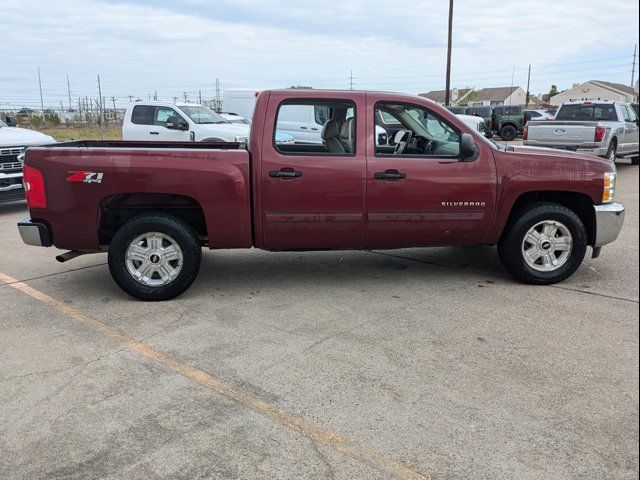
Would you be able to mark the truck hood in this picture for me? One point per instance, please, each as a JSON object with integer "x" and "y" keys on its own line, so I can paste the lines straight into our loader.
{"x": 22, "y": 137}
{"x": 232, "y": 129}
{"x": 542, "y": 153}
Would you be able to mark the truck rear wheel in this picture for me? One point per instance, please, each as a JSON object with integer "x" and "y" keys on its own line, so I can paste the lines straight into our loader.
{"x": 154, "y": 257}
{"x": 508, "y": 132}
{"x": 545, "y": 244}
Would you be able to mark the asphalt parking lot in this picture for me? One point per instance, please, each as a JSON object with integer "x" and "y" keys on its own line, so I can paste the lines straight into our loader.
{"x": 407, "y": 363}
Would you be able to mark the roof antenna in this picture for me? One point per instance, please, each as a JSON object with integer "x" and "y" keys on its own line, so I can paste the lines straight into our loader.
{"x": 513, "y": 74}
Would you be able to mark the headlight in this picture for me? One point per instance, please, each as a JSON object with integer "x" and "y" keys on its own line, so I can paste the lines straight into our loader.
{"x": 609, "y": 189}
{"x": 242, "y": 139}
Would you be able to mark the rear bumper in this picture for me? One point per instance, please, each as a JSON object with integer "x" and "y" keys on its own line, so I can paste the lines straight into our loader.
{"x": 593, "y": 149}
{"x": 34, "y": 233}
{"x": 609, "y": 221}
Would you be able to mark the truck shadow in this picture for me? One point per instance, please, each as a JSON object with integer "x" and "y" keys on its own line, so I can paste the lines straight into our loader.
{"x": 256, "y": 269}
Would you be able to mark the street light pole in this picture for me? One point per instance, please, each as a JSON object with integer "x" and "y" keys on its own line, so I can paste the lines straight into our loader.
{"x": 447, "y": 95}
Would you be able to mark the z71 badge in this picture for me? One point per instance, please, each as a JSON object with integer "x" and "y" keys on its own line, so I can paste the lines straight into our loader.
{"x": 85, "y": 177}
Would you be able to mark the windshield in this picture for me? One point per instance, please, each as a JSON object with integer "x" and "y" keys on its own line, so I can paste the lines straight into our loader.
{"x": 602, "y": 112}
{"x": 202, "y": 115}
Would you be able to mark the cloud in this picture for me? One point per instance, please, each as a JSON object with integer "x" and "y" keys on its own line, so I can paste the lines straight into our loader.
{"x": 142, "y": 47}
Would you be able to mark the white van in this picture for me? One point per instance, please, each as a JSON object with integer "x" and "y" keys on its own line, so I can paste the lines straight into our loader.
{"x": 179, "y": 122}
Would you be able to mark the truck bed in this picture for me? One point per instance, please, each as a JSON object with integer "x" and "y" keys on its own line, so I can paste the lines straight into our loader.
{"x": 102, "y": 179}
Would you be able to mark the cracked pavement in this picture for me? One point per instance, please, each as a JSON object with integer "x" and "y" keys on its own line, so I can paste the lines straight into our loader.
{"x": 434, "y": 358}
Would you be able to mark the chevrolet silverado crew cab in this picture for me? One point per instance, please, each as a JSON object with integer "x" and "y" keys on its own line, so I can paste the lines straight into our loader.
{"x": 153, "y": 206}
{"x": 179, "y": 122}
{"x": 604, "y": 128}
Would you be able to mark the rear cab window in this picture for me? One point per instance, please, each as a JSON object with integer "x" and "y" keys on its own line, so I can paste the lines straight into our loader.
{"x": 587, "y": 112}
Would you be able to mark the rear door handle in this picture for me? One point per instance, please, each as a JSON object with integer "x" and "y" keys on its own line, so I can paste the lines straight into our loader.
{"x": 154, "y": 133}
{"x": 285, "y": 173}
{"x": 389, "y": 175}
{"x": 303, "y": 128}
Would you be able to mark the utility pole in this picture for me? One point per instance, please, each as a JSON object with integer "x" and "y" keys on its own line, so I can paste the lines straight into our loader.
{"x": 185, "y": 96}
{"x": 113, "y": 99}
{"x": 130, "y": 98}
{"x": 351, "y": 80}
{"x": 447, "y": 92}
{"x": 155, "y": 95}
{"x": 69, "y": 91}
{"x": 633, "y": 70}
{"x": 528, "y": 83}
{"x": 175, "y": 99}
{"x": 218, "y": 106}
{"x": 101, "y": 110}
{"x": 41, "y": 100}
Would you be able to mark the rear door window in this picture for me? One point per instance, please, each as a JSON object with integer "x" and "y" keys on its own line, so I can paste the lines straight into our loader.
{"x": 142, "y": 115}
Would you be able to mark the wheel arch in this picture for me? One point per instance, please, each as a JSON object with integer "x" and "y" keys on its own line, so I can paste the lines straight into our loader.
{"x": 579, "y": 203}
{"x": 117, "y": 209}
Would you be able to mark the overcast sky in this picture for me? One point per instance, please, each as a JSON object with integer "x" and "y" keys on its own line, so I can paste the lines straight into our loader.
{"x": 138, "y": 47}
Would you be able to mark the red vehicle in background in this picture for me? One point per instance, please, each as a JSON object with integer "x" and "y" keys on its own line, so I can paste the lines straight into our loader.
{"x": 153, "y": 206}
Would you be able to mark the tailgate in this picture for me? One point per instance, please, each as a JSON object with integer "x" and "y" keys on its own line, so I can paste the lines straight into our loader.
{"x": 562, "y": 133}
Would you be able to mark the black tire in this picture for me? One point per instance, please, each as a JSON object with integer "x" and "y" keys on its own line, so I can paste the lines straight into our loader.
{"x": 508, "y": 132}
{"x": 176, "y": 230}
{"x": 635, "y": 160}
{"x": 510, "y": 246}
{"x": 612, "y": 151}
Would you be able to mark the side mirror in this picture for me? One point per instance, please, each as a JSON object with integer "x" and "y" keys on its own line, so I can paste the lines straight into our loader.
{"x": 382, "y": 139}
{"x": 468, "y": 148}
{"x": 11, "y": 121}
{"x": 176, "y": 123}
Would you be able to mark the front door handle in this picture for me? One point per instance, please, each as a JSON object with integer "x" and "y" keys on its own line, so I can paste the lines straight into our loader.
{"x": 285, "y": 173}
{"x": 154, "y": 133}
{"x": 389, "y": 175}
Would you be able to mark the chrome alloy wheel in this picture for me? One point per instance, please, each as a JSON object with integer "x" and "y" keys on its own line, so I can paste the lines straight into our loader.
{"x": 547, "y": 246}
{"x": 154, "y": 259}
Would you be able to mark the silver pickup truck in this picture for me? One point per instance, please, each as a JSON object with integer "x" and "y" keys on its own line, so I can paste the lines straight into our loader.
{"x": 604, "y": 128}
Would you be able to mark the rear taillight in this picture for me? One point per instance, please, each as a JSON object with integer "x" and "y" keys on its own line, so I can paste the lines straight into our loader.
{"x": 525, "y": 132}
{"x": 34, "y": 187}
{"x": 599, "y": 135}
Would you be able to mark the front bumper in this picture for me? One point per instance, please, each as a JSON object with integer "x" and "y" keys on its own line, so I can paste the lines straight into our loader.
{"x": 34, "y": 233}
{"x": 609, "y": 221}
{"x": 11, "y": 183}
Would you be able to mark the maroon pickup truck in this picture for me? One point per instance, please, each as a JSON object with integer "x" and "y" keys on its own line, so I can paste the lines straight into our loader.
{"x": 431, "y": 180}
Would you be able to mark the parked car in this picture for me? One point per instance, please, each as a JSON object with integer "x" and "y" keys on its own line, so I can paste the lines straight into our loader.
{"x": 603, "y": 128}
{"x": 179, "y": 122}
{"x": 438, "y": 182}
{"x": 537, "y": 115}
{"x": 13, "y": 141}
{"x": 477, "y": 123}
{"x": 507, "y": 121}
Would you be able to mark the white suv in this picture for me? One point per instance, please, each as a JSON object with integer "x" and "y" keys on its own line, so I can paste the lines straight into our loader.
{"x": 179, "y": 122}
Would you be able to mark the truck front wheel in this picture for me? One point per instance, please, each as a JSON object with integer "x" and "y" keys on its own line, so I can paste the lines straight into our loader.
{"x": 545, "y": 244}
{"x": 154, "y": 257}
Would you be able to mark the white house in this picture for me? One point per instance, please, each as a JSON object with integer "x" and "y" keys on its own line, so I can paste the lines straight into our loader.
{"x": 597, "y": 90}
{"x": 499, "y": 96}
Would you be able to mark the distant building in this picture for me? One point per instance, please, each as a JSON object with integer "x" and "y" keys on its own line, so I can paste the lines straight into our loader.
{"x": 597, "y": 90}
{"x": 459, "y": 96}
{"x": 499, "y": 96}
